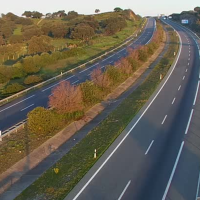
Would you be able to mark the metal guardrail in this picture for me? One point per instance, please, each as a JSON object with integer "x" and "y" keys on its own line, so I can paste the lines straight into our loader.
{"x": 8, "y": 99}
{"x": 21, "y": 124}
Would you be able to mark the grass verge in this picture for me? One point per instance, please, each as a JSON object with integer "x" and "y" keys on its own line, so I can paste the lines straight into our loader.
{"x": 74, "y": 165}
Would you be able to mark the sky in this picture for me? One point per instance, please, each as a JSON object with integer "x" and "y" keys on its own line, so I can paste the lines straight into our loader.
{"x": 141, "y": 7}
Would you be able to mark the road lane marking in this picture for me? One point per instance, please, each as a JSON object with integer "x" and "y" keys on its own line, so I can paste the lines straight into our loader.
{"x": 186, "y": 70}
{"x": 190, "y": 118}
{"x": 183, "y": 78}
{"x": 188, "y": 63}
{"x": 173, "y": 171}
{"x": 123, "y": 192}
{"x": 173, "y": 101}
{"x": 179, "y": 88}
{"x": 188, "y": 58}
{"x": 75, "y": 82}
{"x": 88, "y": 68}
{"x": 164, "y": 119}
{"x": 197, "y": 91}
{"x": 127, "y": 134}
{"x": 149, "y": 147}
{"x": 17, "y": 103}
{"x": 198, "y": 184}
{"x": 27, "y": 107}
{"x": 103, "y": 67}
{"x": 58, "y": 83}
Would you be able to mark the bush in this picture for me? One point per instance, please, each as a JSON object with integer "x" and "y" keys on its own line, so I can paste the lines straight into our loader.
{"x": 143, "y": 56}
{"x": 13, "y": 88}
{"x": 42, "y": 121}
{"x": 114, "y": 75}
{"x": 32, "y": 79}
{"x": 30, "y": 66}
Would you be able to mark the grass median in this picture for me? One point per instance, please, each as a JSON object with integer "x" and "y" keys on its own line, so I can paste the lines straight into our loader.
{"x": 74, "y": 165}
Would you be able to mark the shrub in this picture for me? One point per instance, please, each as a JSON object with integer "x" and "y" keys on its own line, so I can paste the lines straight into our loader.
{"x": 42, "y": 121}
{"x": 13, "y": 88}
{"x": 114, "y": 75}
{"x": 32, "y": 79}
{"x": 30, "y": 66}
{"x": 143, "y": 56}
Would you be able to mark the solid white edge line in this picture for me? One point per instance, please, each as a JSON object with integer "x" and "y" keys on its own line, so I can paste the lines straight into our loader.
{"x": 27, "y": 107}
{"x": 16, "y": 103}
{"x": 75, "y": 82}
{"x": 88, "y": 182}
{"x": 197, "y": 91}
{"x": 149, "y": 147}
{"x": 198, "y": 184}
{"x": 123, "y": 192}
{"x": 188, "y": 125}
{"x": 173, "y": 171}
{"x": 173, "y": 100}
{"x": 164, "y": 119}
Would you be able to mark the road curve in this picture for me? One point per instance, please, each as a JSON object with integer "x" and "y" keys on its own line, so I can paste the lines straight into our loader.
{"x": 142, "y": 163}
{"x": 16, "y": 111}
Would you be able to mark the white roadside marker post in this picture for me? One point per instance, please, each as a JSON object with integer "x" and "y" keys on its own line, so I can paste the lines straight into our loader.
{"x": 95, "y": 154}
{"x": 0, "y": 137}
{"x": 174, "y": 53}
{"x": 161, "y": 76}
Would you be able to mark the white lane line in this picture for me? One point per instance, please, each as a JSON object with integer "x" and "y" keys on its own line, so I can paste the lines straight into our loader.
{"x": 197, "y": 91}
{"x": 123, "y": 192}
{"x": 27, "y": 107}
{"x": 149, "y": 147}
{"x": 183, "y": 78}
{"x": 164, "y": 119}
{"x": 173, "y": 101}
{"x": 188, "y": 63}
{"x": 179, "y": 88}
{"x": 103, "y": 67}
{"x": 186, "y": 70}
{"x": 198, "y": 184}
{"x": 75, "y": 82}
{"x": 188, "y": 58}
{"x": 190, "y": 118}
{"x": 89, "y": 74}
{"x": 127, "y": 134}
{"x": 57, "y": 83}
{"x": 173, "y": 171}
{"x": 88, "y": 68}
{"x": 17, "y": 103}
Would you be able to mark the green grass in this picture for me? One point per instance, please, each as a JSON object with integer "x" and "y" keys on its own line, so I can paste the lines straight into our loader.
{"x": 18, "y": 30}
{"x": 74, "y": 165}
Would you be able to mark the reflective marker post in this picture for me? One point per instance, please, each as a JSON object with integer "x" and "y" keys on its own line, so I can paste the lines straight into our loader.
{"x": 0, "y": 137}
{"x": 95, "y": 153}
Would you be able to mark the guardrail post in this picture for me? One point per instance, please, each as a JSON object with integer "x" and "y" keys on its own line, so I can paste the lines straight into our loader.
{"x": 0, "y": 136}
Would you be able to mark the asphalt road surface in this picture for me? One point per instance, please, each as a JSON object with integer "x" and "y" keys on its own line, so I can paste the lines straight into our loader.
{"x": 157, "y": 155}
{"x": 16, "y": 111}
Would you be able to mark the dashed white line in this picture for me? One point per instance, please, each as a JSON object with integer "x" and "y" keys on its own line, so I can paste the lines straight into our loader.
{"x": 188, "y": 63}
{"x": 179, "y": 88}
{"x": 123, "y": 192}
{"x": 103, "y": 67}
{"x": 149, "y": 147}
{"x": 27, "y": 107}
{"x": 164, "y": 119}
{"x": 186, "y": 70}
{"x": 75, "y": 82}
{"x": 183, "y": 78}
{"x": 197, "y": 91}
{"x": 88, "y": 68}
{"x": 17, "y": 103}
{"x": 57, "y": 83}
{"x": 173, "y": 100}
{"x": 190, "y": 118}
{"x": 173, "y": 171}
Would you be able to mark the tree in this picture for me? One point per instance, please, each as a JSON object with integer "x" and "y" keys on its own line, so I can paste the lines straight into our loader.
{"x": 39, "y": 44}
{"x": 97, "y": 11}
{"x": 117, "y": 9}
{"x": 83, "y": 32}
{"x": 27, "y": 14}
{"x": 14, "y": 39}
{"x": 125, "y": 66}
{"x": 42, "y": 121}
{"x": 29, "y": 66}
{"x": 197, "y": 9}
{"x": 32, "y": 79}
{"x": 37, "y": 15}
{"x": 13, "y": 88}
{"x": 99, "y": 78}
{"x": 2, "y": 42}
{"x": 66, "y": 98}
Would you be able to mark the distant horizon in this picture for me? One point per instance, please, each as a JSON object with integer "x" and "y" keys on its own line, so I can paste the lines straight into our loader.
{"x": 149, "y": 8}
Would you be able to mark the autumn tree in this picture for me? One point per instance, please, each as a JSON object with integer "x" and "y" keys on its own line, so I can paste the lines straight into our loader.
{"x": 2, "y": 42}
{"x": 99, "y": 78}
{"x": 66, "y": 98}
{"x": 125, "y": 66}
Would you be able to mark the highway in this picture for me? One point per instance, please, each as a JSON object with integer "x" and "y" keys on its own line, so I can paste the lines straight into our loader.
{"x": 157, "y": 156}
{"x": 17, "y": 110}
